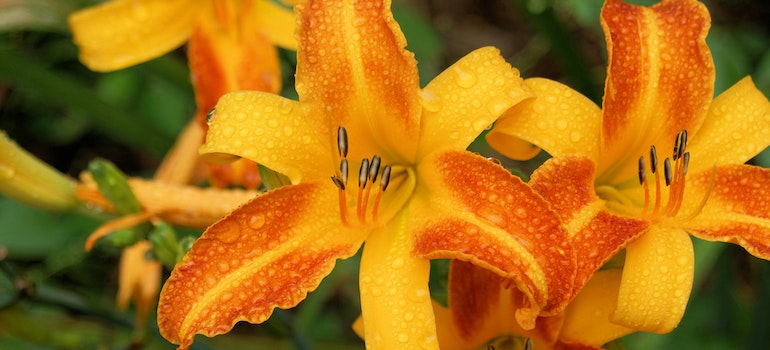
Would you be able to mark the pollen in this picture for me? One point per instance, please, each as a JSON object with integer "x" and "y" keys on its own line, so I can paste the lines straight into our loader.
{"x": 368, "y": 174}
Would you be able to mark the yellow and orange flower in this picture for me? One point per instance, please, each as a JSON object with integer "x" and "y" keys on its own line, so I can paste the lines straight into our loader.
{"x": 480, "y": 313}
{"x": 418, "y": 195}
{"x": 607, "y": 182}
{"x": 231, "y": 47}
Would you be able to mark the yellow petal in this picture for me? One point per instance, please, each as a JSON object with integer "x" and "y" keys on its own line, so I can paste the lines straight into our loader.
{"x": 505, "y": 227}
{"x": 559, "y": 120}
{"x": 657, "y": 280}
{"x": 395, "y": 301}
{"x": 269, "y": 130}
{"x": 660, "y": 79}
{"x": 278, "y": 23}
{"x": 268, "y": 253}
{"x": 181, "y": 163}
{"x": 735, "y": 130}
{"x": 587, "y": 318}
{"x": 353, "y": 71}
{"x": 736, "y": 210}
{"x": 466, "y": 98}
{"x": 121, "y": 33}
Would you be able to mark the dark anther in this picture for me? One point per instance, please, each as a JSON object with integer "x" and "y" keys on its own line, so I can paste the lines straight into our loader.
{"x": 342, "y": 141}
{"x": 667, "y": 171}
{"x": 528, "y": 344}
{"x": 363, "y": 173}
{"x": 344, "y": 170}
{"x": 490, "y": 347}
{"x": 385, "y": 177}
{"x": 374, "y": 168}
{"x": 641, "y": 170}
{"x": 686, "y": 162}
{"x": 680, "y": 144}
{"x": 338, "y": 182}
{"x": 653, "y": 159}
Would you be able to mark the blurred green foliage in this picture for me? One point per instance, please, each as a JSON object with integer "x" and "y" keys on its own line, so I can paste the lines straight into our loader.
{"x": 53, "y": 295}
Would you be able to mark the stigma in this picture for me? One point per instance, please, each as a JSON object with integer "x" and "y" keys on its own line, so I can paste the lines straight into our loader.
{"x": 369, "y": 172}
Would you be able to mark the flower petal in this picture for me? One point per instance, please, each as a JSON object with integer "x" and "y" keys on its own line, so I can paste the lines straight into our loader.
{"x": 596, "y": 234}
{"x": 656, "y": 282}
{"x": 395, "y": 301}
{"x": 353, "y": 68}
{"x": 269, "y": 130}
{"x": 559, "y": 120}
{"x": 660, "y": 78}
{"x": 228, "y": 54}
{"x": 139, "y": 280}
{"x": 587, "y": 318}
{"x": 482, "y": 308}
{"x": 737, "y": 210}
{"x": 504, "y": 227}
{"x": 268, "y": 253}
{"x": 735, "y": 130}
{"x": 121, "y": 33}
{"x": 277, "y": 22}
{"x": 466, "y": 98}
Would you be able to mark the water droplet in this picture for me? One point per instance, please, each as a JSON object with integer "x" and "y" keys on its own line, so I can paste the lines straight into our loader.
{"x": 430, "y": 101}
{"x": 256, "y": 221}
{"x": 226, "y": 232}
{"x": 464, "y": 79}
{"x": 6, "y": 171}
{"x": 575, "y": 136}
{"x": 561, "y": 124}
{"x": 286, "y": 107}
{"x": 520, "y": 212}
{"x": 403, "y": 337}
{"x": 210, "y": 116}
{"x": 397, "y": 263}
{"x": 497, "y": 106}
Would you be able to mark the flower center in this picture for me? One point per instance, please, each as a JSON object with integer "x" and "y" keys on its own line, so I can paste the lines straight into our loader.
{"x": 674, "y": 172}
{"x": 368, "y": 174}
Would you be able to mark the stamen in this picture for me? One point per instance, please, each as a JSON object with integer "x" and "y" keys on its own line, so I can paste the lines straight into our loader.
{"x": 641, "y": 171}
{"x": 339, "y": 183}
{"x": 667, "y": 171}
{"x": 374, "y": 168}
{"x": 528, "y": 344}
{"x": 342, "y": 141}
{"x": 383, "y": 185}
{"x": 363, "y": 173}
{"x": 344, "y": 171}
{"x": 385, "y": 178}
{"x": 653, "y": 159}
{"x": 686, "y": 161}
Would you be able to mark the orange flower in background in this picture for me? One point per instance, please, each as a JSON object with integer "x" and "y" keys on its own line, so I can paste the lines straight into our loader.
{"x": 231, "y": 47}
{"x": 613, "y": 189}
{"x": 418, "y": 194}
{"x": 480, "y": 313}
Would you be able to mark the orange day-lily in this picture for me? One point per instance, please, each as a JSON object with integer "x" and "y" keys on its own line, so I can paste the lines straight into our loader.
{"x": 659, "y": 89}
{"x": 417, "y": 194}
{"x": 231, "y": 47}
{"x": 480, "y": 314}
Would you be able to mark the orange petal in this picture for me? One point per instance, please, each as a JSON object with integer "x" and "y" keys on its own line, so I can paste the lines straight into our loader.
{"x": 504, "y": 226}
{"x": 467, "y": 98}
{"x": 353, "y": 68}
{"x": 656, "y": 282}
{"x": 735, "y": 129}
{"x": 482, "y": 308}
{"x": 126, "y": 221}
{"x": 587, "y": 318}
{"x": 120, "y": 33}
{"x": 139, "y": 279}
{"x": 559, "y": 120}
{"x": 268, "y": 253}
{"x": 270, "y": 130}
{"x": 596, "y": 234}
{"x": 660, "y": 77}
{"x": 181, "y": 164}
{"x": 737, "y": 210}
{"x": 395, "y": 301}
{"x": 227, "y": 53}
